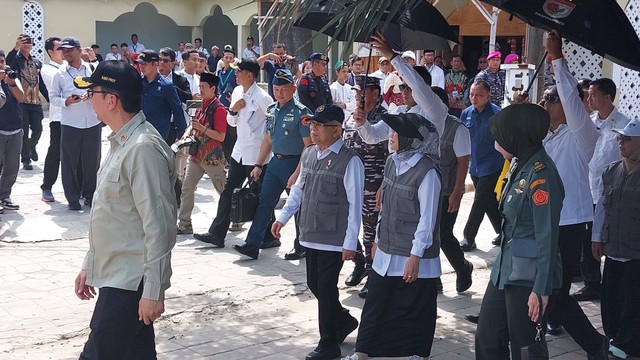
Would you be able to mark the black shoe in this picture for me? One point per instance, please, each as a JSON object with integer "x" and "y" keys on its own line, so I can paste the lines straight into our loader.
{"x": 88, "y": 202}
{"x": 270, "y": 244}
{"x": 587, "y": 293}
{"x": 439, "y": 286}
{"x": 75, "y": 206}
{"x": 464, "y": 280}
{"x": 359, "y": 273}
{"x": 295, "y": 254}
{"x": 34, "y": 155}
{"x": 324, "y": 353}
{"x": 497, "y": 241}
{"x": 248, "y": 250}
{"x": 554, "y": 329}
{"x": 27, "y": 166}
{"x": 472, "y": 318}
{"x": 346, "y": 329}
{"x": 209, "y": 239}
{"x": 603, "y": 352}
{"x": 9, "y": 205}
{"x": 364, "y": 291}
{"x": 467, "y": 245}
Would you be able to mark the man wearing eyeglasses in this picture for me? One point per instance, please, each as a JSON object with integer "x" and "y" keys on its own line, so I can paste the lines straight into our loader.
{"x": 160, "y": 100}
{"x": 286, "y": 138}
{"x": 80, "y": 130}
{"x": 314, "y": 88}
{"x": 570, "y": 143}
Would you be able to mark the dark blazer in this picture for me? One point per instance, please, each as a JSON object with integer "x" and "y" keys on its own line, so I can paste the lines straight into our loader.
{"x": 183, "y": 87}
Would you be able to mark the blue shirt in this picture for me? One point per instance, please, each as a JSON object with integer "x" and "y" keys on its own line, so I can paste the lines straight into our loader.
{"x": 286, "y": 128}
{"x": 159, "y": 101}
{"x": 270, "y": 67}
{"x": 485, "y": 159}
{"x": 226, "y": 85}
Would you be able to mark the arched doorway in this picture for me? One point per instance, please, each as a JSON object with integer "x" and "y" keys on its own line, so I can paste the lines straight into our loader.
{"x": 218, "y": 29}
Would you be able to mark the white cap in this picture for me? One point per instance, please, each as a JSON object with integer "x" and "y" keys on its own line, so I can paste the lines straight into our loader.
{"x": 632, "y": 128}
{"x": 410, "y": 54}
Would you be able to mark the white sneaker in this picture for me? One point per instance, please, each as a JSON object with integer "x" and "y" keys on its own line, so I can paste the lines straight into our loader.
{"x": 416, "y": 357}
{"x": 352, "y": 357}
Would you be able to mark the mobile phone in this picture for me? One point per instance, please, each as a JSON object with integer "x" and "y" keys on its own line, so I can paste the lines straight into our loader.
{"x": 75, "y": 97}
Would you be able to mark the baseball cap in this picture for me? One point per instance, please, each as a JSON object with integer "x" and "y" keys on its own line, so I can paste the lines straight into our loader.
{"x": 327, "y": 113}
{"x": 371, "y": 81}
{"x": 632, "y": 128}
{"x": 229, "y": 48}
{"x": 215, "y": 47}
{"x": 495, "y": 54}
{"x": 341, "y": 64}
{"x": 147, "y": 56}
{"x": 409, "y": 54}
{"x": 405, "y": 124}
{"x": 112, "y": 74}
{"x": 382, "y": 59}
{"x": 247, "y": 64}
{"x": 69, "y": 43}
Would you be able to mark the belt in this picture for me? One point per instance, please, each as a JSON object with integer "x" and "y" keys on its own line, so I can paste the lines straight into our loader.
{"x": 283, "y": 156}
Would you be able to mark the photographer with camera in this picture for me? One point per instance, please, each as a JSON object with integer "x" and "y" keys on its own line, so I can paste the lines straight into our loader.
{"x": 278, "y": 58}
{"x": 206, "y": 155}
{"x": 10, "y": 132}
{"x": 20, "y": 60}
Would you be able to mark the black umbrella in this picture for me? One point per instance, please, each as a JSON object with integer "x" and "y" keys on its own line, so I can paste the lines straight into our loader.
{"x": 598, "y": 25}
{"x": 420, "y": 27}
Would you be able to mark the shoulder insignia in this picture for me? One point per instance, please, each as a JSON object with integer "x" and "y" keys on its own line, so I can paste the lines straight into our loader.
{"x": 304, "y": 82}
{"x": 537, "y": 182}
{"x": 540, "y": 197}
{"x": 538, "y": 165}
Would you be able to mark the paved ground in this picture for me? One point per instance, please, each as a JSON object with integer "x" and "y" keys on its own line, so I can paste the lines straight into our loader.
{"x": 220, "y": 306}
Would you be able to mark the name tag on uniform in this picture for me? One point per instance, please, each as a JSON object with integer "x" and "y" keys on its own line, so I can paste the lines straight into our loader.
{"x": 288, "y": 118}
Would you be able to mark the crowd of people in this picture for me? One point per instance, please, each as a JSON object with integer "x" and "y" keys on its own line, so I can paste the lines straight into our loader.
{"x": 386, "y": 152}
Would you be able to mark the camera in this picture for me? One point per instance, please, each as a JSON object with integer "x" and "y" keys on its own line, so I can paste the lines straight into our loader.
{"x": 10, "y": 73}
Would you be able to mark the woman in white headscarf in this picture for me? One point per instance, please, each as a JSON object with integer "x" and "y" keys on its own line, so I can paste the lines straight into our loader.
{"x": 399, "y": 315}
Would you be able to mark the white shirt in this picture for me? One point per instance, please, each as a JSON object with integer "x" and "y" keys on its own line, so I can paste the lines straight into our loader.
{"x": 78, "y": 115}
{"x": 571, "y": 147}
{"x": 353, "y": 182}
{"x": 344, "y": 94}
{"x": 48, "y": 72}
{"x": 137, "y": 48}
{"x": 194, "y": 81}
{"x": 111, "y": 56}
{"x": 428, "y": 198}
{"x": 462, "y": 142}
{"x": 437, "y": 76}
{"x": 250, "y": 123}
{"x": 247, "y": 54}
{"x": 380, "y": 75}
{"x": 606, "y": 150}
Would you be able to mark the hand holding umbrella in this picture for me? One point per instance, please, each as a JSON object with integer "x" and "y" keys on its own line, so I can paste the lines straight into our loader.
{"x": 379, "y": 42}
{"x": 554, "y": 44}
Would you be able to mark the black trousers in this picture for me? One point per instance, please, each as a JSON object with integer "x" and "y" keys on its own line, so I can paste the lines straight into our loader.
{"x": 323, "y": 269}
{"x": 73, "y": 143}
{"x": 621, "y": 304}
{"x": 484, "y": 202}
{"x": 398, "y": 318}
{"x": 564, "y": 309}
{"x": 589, "y": 266}
{"x": 52, "y": 161}
{"x": 504, "y": 321}
{"x": 32, "y": 116}
{"x": 116, "y": 332}
{"x": 448, "y": 242}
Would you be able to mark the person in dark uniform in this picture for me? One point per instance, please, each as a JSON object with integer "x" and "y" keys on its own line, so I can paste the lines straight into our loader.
{"x": 374, "y": 157}
{"x": 528, "y": 267}
{"x": 399, "y": 314}
{"x": 286, "y": 137}
{"x": 314, "y": 88}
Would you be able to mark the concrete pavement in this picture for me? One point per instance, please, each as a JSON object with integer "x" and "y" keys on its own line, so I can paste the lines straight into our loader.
{"x": 220, "y": 306}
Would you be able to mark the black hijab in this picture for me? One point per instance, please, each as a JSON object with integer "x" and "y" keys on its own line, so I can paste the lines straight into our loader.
{"x": 520, "y": 129}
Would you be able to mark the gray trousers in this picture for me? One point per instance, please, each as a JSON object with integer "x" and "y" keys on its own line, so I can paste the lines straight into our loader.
{"x": 10, "y": 146}
{"x": 193, "y": 174}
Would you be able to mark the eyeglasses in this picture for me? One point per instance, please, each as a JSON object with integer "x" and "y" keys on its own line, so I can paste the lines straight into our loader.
{"x": 404, "y": 87}
{"x": 165, "y": 60}
{"x": 321, "y": 126}
{"x": 90, "y": 93}
{"x": 623, "y": 139}
{"x": 551, "y": 98}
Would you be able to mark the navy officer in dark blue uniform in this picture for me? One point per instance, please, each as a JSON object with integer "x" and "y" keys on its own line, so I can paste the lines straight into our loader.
{"x": 314, "y": 87}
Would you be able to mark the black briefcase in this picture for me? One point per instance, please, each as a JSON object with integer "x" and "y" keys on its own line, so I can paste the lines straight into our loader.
{"x": 244, "y": 202}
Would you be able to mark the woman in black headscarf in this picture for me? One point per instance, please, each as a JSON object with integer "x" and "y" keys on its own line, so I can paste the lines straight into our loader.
{"x": 528, "y": 267}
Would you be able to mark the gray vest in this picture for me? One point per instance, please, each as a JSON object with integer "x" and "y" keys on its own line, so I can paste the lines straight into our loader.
{"x": 621, "y": 199}
{"x": 324, "y": 210}
{"x": 448, "y": 158}
{"x": 401, "y": 210}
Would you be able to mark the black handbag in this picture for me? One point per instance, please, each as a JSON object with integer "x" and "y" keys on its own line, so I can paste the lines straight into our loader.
{"x": 538, "y": 350}
{"x": 244, "y": 202}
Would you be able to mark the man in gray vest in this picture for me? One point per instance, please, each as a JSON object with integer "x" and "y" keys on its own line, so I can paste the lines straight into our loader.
{"x": 328, "y": 198}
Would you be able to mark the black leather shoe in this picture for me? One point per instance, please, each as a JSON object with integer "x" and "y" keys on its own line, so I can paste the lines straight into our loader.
{"x": 209, "y": 239}
{"x": 34, "y": 155}
{"x": 603, "y": 352}
{"x": 364, "y": 291}
{"x": 88, "y": 202}
{"x": 75, "y": 206}
{"x": 464, "y": 280}
{"x": 497, "y": 241}
{"x": 248, "y": 250}
{"x": 27, "y": 166}
{"x": 467, "y": 245}
{"x": 587, "y": 293}
{"x": 295, "y": 254}
{"x": 270, "y": 244}
{"x": 554, "y": 329}
{"x": 346, "y": 329}
{"x": 472, "y": 318}
{"x": 324, "y": 353}
{"x": 359, "y": 273}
